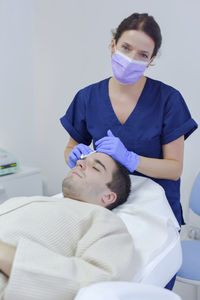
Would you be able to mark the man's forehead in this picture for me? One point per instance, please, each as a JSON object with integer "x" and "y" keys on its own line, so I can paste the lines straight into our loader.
{"x": 103, "y": 158}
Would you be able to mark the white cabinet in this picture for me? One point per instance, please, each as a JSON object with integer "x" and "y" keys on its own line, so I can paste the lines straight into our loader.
{"x": 26, "y": 182}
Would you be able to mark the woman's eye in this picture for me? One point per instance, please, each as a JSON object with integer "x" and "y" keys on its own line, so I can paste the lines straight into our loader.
{"x": 125, "y": 47}
{"x": 144, "y": 55}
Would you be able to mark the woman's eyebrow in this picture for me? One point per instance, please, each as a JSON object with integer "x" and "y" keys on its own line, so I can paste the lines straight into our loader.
{"x": 131, "y": 46}
{"x": 100, "y": 163}
{"x": 127, "y": 44}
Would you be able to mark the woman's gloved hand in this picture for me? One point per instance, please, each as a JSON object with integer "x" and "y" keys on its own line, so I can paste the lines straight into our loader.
{"x": 76, "y": 153}
{"x": 112, "y": 146}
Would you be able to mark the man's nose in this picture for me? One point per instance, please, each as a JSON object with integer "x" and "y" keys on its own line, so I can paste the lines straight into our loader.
{"x": 81, "y": 163}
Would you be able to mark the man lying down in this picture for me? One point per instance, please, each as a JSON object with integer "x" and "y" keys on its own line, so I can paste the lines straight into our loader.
{"x": 51, "y": 247}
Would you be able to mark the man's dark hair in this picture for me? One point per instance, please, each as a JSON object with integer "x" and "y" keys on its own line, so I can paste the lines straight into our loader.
{"x": 120, "y": 184}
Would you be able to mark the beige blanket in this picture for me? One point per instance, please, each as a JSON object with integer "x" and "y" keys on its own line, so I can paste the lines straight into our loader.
{"x": 62, "y": 245}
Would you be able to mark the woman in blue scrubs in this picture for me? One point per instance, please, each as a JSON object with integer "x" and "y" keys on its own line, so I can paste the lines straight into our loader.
{"x": 137, "y": 120}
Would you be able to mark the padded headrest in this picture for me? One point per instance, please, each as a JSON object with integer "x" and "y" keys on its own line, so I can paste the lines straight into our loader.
{"x": 147, "y": 215}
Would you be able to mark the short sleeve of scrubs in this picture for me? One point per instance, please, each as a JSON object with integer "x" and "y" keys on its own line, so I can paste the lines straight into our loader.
{"x": 177, "y": 120}
{"x": 74, "y": 120}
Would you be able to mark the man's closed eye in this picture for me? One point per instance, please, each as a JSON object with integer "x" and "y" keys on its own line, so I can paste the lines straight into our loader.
{"x": 96, "y": 169}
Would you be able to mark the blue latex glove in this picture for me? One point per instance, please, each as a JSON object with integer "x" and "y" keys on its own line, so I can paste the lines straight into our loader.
{"x": 76, "y": 153}
{"x": 112, "y": 146}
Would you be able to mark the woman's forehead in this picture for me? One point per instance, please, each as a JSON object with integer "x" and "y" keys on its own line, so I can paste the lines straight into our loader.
{"x": 138, "y": 38}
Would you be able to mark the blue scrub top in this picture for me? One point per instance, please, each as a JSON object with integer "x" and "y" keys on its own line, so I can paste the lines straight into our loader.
{"x": 160, "y": 117}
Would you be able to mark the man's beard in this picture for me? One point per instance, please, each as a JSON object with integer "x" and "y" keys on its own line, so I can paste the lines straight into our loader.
{"x": 70, "y": 188}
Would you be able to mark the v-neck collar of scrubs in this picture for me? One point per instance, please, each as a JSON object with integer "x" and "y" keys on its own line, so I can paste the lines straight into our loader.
{"x": 136, "y": 109}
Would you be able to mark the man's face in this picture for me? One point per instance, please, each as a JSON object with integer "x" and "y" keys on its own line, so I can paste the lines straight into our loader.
{"x": 87, "y": 181}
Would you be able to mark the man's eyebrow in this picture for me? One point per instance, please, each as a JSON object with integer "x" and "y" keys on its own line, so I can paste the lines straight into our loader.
{"x": 100, "y": 163}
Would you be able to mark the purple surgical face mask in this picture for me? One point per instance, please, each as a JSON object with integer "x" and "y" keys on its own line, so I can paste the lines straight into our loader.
{"x": 127, "y": 70}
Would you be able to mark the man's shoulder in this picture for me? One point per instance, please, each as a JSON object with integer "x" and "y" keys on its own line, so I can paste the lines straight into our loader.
{"x": 85, "y": 206}
{"x": 17, "y": 202}
{"x": 91, "y": 210}
{"x": 24, "y": 200}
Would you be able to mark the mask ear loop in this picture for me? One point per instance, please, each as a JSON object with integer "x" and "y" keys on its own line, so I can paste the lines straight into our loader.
{"x": 114, "y": 45}
{"x": 150, "y": 63}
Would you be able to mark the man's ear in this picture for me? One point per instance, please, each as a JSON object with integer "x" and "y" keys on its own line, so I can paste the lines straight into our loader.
{"x": 108, "y": 198}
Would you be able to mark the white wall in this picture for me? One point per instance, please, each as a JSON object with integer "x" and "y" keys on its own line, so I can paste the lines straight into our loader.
{"x": 16, "y": 79}
{"x": 52, "y": 48}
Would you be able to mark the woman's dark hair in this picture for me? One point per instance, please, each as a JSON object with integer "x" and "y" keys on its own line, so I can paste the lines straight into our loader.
{"x": 120, "y": 184}
{"x": 142, "y": 22}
